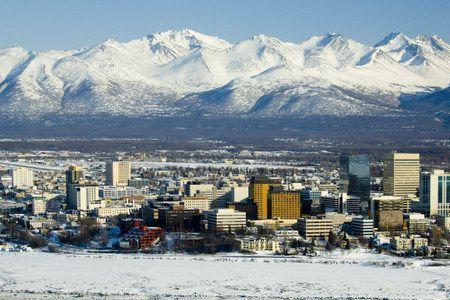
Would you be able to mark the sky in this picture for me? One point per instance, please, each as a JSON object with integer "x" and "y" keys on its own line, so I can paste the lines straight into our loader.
{"x": 71, "y": 24}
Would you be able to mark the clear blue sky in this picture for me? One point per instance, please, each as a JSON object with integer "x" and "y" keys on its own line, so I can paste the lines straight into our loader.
{"x": 70, "y": 24}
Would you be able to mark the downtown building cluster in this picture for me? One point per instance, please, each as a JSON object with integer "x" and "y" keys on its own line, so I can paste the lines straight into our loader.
{"x": 125, "y": 207}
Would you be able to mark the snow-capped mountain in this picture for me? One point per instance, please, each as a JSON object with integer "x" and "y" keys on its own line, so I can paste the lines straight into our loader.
{"x": 186, "y": 72}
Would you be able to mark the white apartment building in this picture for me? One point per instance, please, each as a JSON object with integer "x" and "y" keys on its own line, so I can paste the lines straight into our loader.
{"x": 262, "y": 244}
{"x": 118, "y": 173}
{"x": 405, "y": 244}
{"x": 239, "y": 193}
{"x": 38, "y": 205}
{"x": 84, "y": 197}
{"x": 223, "y": 219}
{"x": 23, "y": 178}
{"x": 115, "y": 210}
{"x": 434, "y": 193}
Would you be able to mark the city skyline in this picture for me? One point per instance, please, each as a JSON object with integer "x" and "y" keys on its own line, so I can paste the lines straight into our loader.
{"x": 204, "y": 149}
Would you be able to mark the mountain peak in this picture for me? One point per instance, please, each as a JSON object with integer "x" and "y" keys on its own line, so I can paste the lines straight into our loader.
{"x": 187, "y": 38}
{"x": 14, "y": 49}
{"x": 149, "y": 74}
{"x": 333, "y": 38}
{"x": 393, "y": 39}
{"x": 434, "y": 41}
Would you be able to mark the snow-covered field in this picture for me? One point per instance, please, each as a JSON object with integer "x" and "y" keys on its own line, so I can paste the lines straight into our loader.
{"x": 356, "y": 275}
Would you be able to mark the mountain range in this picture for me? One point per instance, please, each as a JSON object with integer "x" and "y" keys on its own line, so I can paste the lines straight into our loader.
{"x": 176, "y": 73}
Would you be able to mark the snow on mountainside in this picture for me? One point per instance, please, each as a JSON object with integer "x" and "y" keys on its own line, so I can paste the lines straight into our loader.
{"x": 186, "y": 72}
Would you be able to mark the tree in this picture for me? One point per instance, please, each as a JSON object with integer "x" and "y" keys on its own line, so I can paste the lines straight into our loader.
{"x": 435, "y": 236}
{"x": 332, "y": 238}
{"x": 331, "y": 241}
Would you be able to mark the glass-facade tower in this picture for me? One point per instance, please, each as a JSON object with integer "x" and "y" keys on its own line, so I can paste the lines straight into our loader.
{"x": 355, "y": 175}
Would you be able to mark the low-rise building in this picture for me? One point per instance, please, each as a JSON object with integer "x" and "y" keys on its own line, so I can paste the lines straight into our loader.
{"x": 138, "y": 183}
{"x": 37, "y": 223}
{"x": 315, "y": 227}
{"x": 38, "y": 205}
{"x": 362, "y": 227}
{"x": 255, "y": 244}
{"x": 419, "y": 242}
{"x": 223, "y": 219}
{"x": 198, "y": 201}
{"x": 401, "y": 243}
{"x": 387, "y": 213}
{"x": 274, "y": 224}
{"x": 286, "y": 233}
{"x": 139, "y": 238}
{"x": 338, "y": 219}
{"x": 118, "y": 192}
{"x": 115, "y": 210}
{"x": 176, "y": 218}
{"x": 417, "y": 223}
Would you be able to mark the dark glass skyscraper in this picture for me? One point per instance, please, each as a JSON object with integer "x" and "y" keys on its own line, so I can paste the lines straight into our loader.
{"x": 355, "y": 175}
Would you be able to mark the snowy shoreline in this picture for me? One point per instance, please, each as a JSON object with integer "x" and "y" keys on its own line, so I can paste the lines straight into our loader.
{"x": 39, "y": 275}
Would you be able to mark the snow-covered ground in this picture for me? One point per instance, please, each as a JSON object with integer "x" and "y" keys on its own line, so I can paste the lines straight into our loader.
{"x": 115, "y": 276}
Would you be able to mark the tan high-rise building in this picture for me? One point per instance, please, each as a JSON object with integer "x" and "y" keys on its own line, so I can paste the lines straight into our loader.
{"x": 284, "y": 204}
{"x": 401, "y": 174}
{"x": 118, "y": 173}
{"x": 23, "y": 178}
{"x": 259, "y": 191}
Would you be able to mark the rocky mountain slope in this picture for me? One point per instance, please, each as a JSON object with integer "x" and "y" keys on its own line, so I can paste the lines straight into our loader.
{"x": 186, "y": 72}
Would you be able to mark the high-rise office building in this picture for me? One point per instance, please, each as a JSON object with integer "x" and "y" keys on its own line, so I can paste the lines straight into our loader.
{"x": 74, "y": 174}
{"x": 118, "y": 173}
{"x": 23, "y": 178}
{"x": 284, "y": 204}
{"x": 354, "y": 173}
{"x": 259, "y": 191}
{"x": 401, "y": 174}
{"x": 83, "y": 196}
{"x": 434, "y": 193}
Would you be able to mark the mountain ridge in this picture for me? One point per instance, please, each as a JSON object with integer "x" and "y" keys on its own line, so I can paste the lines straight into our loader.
{"x": 187, "y": 72}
